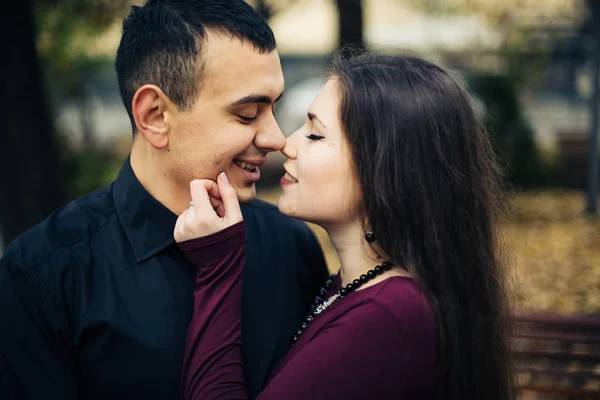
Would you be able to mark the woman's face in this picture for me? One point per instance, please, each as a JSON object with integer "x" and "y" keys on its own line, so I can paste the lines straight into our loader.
{"x": 320, "y": 185}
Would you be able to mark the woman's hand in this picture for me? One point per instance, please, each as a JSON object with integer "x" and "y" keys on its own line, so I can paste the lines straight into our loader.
{"x": 214, "y": 207}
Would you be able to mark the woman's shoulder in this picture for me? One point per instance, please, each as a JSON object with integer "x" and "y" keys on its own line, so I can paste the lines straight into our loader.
{"x": 393, "y": 322}
{"x": 403, "y": 303}
{"x": 393, "y": 307}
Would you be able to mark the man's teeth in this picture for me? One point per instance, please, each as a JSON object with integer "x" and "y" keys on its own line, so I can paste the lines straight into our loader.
{"x": 289, "y": 177}
{"x": 246, "y": 166}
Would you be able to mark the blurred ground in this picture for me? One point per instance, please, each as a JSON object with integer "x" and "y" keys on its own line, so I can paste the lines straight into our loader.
{"x": 553, "y": 251}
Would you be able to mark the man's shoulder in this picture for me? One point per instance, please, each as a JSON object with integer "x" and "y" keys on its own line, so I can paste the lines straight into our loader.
{"x": 274, "y": 237}
{"x": 270, "y": 227}
{"x": 261, "y": 207}
{"x": 65, "y": 230}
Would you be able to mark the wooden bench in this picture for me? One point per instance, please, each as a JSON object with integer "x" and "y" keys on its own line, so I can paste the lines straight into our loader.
{"x": 557, "y": 355}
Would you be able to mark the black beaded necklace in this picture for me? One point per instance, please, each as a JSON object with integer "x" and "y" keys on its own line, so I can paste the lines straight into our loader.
{"x": 321, "y": 305}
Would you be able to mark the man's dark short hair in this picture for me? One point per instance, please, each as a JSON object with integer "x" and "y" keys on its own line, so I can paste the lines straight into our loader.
{"x": 162, "y": 44}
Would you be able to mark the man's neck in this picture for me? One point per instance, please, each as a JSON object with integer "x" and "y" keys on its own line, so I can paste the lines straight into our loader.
{"x": 155, "y": 178}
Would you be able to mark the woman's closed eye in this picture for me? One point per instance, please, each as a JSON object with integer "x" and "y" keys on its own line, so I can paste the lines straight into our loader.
{"x": 314, "y": 137}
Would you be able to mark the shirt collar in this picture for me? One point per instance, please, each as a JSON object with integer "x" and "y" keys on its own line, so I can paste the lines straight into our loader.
{"x": 148, "y": 224}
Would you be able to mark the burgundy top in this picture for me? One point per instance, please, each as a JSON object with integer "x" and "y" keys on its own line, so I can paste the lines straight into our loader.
{"x": 375, "y": 343}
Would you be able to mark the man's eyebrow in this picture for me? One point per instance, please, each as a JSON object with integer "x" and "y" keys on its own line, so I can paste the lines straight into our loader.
{"x": 255, "y": 99}
{"x": 312, "y": 116}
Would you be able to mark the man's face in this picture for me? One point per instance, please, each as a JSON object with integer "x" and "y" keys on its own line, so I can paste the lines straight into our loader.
{"x": 231, "y": 126}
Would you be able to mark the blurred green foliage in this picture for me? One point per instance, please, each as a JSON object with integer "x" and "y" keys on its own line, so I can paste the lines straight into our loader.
{"x": 514, "y": 139}
{"x": 65, "y": 30}
{"x": 88, "y": 169}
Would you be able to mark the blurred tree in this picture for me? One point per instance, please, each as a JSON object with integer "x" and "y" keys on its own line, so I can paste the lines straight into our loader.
{"x": 269, "y": 8}
{"x": 509, "y": 14}
{"x": 350, "y": 16}
{"x": 66, "y": 31}
{"x": 351, "y": 25}
{"x": 29, "y": 184}
{"x": 594, "y": 24}
{"x": 513, "y": 137}
{"x": 264, "y": 8}
{"x": 527, "y": 32}
{"x": 522, "y": 26}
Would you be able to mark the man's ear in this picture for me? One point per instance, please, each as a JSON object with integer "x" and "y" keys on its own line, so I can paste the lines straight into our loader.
{"x": 148, "y": 107}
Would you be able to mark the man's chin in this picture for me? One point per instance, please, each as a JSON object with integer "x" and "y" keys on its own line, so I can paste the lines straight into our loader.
{"x": 246, "y": 195}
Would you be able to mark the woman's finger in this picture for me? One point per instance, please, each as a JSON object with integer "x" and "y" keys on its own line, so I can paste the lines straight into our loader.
{"x": 178, "y": 232}
{"x": 214, "y": 202}
{"x": 212, "y": 188}
{"x": 231, "y": 204}
{"x": 200, "y": 198}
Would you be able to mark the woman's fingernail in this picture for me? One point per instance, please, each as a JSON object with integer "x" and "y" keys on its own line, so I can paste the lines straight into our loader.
{"x": 224, "y": 177}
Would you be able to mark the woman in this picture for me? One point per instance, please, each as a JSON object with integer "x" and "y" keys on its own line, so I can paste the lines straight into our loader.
{"x": 394, "y": 165}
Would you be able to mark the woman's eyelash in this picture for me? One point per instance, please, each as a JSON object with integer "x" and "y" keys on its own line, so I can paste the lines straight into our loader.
{"x": 312, "y": 136}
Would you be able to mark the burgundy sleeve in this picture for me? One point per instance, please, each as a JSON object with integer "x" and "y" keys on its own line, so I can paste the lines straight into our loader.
{"x": 212, "y": 366}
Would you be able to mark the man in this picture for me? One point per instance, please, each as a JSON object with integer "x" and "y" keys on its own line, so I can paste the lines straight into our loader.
{"x": 96, "y": 300}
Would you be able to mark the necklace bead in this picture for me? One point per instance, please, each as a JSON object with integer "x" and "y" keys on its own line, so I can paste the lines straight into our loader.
{"x": 321, "y": 305}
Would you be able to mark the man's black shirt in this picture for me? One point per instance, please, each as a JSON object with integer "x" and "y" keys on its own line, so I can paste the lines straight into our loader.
{"x": 96, "y": 300}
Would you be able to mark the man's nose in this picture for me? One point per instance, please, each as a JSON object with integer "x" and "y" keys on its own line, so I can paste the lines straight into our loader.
{"x": 270, "y": 137}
